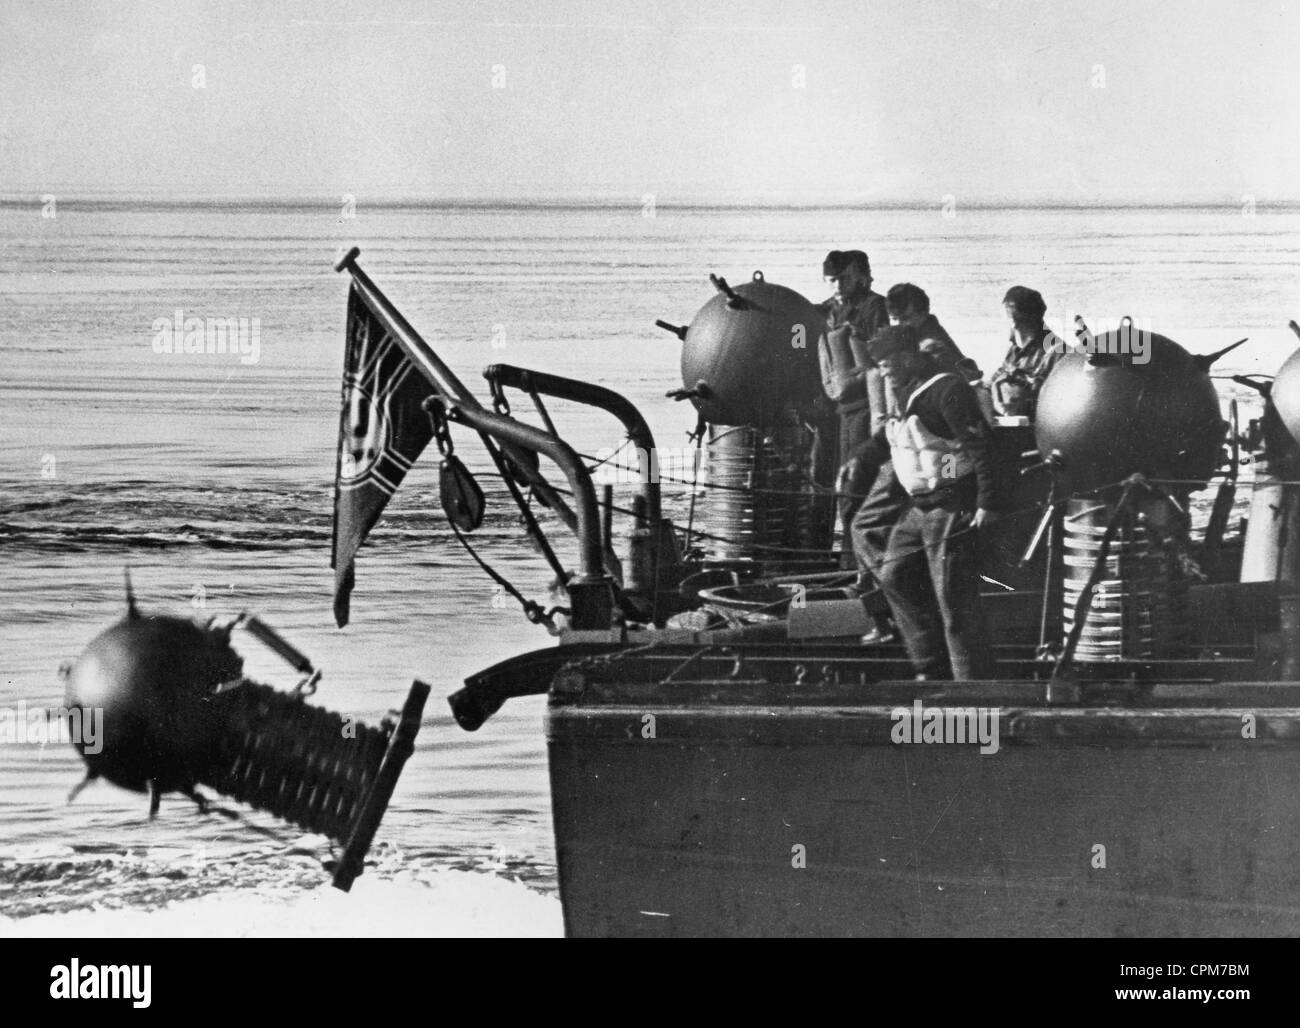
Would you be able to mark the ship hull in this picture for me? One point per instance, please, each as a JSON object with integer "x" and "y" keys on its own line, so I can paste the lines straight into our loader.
{"x": 752, "y": 819}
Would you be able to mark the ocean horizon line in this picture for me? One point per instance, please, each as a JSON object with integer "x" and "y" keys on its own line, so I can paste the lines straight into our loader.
{"x": 135, "y": 200}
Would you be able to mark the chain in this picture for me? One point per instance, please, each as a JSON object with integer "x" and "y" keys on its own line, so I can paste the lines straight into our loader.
{"x": 441, "y": 429}
{"x": 500, "y": 403}
{"x": 533, "y": 611}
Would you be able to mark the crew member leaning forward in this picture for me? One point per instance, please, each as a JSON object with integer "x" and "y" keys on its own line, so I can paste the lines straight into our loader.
{"x": 938, "y": 444}
{"x": 875, "y": 517}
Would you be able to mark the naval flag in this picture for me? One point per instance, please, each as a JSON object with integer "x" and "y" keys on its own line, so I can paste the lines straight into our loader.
{"x": 383, "y": 429}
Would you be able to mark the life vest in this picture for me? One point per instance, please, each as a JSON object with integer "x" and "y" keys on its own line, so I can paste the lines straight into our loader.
{"x": 922, "y": 460}
{"x": 836, "y": 359}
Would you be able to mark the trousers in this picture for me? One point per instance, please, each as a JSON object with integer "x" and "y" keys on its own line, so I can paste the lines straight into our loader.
{"x": 873, "y": 521}
{"x": 930, "y": 576}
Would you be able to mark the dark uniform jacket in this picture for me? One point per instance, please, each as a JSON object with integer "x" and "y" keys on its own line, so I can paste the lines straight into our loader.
{"x": 938, "y": 344}
{"x": 1016, "y": 383}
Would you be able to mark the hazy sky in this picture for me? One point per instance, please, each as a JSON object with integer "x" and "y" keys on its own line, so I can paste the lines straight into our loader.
{"x": 1166, "y": 101}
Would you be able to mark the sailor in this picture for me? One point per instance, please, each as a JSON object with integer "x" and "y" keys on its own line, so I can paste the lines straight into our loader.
{"x": 885, "y": 499}
{"x": 853, "y": 315}
{"x": 1031, "y": 357}
{"x": 908, "y": 304}
{"x": 1033, "y": 351}
{"x": 930, "y": 574}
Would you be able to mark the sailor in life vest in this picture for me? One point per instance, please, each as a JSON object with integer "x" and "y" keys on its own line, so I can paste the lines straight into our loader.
{"x": 938, "y": 439}
{"x": 854, "y": 312}
{"x": 906, "y": 304}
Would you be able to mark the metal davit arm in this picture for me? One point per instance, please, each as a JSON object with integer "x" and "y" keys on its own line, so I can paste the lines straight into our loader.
{"x": 638, "y": 432}
{"x": 591, "y": 593}
{"x": 650, "y": 582}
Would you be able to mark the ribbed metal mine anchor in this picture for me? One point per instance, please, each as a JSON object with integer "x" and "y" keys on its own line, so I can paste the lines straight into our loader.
{"x": 327, "y": 774}
{"x": 1138, "y": 607}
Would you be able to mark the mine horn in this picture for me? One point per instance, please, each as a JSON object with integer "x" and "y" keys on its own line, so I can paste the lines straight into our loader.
{"x": 734, "y": 299}
{"x": 131, "y": 610}
{"x": 1204, "y": 360}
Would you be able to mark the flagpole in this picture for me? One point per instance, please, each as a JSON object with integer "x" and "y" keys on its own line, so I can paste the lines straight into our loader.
{"x": 443, "y": 378}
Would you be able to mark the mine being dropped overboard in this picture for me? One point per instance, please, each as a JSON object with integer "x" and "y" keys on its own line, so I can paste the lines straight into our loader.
{"x": 178, "y": 713}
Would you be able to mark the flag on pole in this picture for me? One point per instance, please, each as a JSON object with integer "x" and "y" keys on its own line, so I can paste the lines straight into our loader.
{"x": 383, "y": 429}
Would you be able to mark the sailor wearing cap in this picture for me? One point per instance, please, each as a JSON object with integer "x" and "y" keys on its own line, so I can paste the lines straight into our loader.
{"x": 853, "y": 315}
{"x": 938, "y": 440}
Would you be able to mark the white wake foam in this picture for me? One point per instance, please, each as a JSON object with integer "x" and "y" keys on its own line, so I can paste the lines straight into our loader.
{"x": 434, "y": 903}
